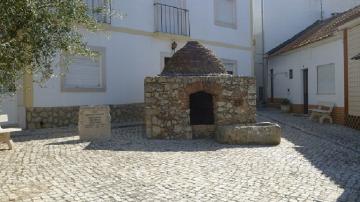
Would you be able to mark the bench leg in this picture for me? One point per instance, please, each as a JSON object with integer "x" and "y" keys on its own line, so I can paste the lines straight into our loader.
{"x": 326, "y": 117}
{"x": 312, "y": 116}
{"x": 9, "y": 143}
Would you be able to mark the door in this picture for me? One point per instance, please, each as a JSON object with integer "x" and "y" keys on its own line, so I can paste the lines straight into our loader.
{"x": 272, "y": 85}
{"x": 306, "y": 90}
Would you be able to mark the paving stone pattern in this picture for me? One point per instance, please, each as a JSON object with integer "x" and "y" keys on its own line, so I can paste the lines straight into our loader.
{"x": 53, "y": 165}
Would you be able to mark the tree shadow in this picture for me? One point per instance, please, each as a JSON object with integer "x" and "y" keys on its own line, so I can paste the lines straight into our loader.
{"x": 126, "y": 139}
{"x": 43, "y": 134}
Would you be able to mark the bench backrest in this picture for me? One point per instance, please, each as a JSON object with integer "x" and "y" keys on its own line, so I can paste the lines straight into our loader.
{"x": 327, "y": 106}
{"x": 3, "y": 119}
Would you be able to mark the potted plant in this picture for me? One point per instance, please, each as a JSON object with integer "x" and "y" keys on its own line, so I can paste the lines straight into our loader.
{"x": 285, "y": 105}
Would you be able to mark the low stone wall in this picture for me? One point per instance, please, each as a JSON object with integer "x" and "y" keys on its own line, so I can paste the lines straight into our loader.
{"x": 167, "y": 112}
{"x": 56, "y": 117}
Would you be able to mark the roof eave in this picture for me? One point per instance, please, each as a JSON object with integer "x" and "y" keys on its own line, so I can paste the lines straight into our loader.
{"x": 333, "y": 36}
{"x": 350, "y": 24}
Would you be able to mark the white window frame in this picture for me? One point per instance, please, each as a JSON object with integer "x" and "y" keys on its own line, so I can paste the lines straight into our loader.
{"x": 232, "y": 25}
{"x": 234, "y": 62}
{"x": 102, "y": 88}
{"x": 317, "y": 79}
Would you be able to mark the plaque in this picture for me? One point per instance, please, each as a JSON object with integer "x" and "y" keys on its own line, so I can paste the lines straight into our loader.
{"x": 94, "y": 123}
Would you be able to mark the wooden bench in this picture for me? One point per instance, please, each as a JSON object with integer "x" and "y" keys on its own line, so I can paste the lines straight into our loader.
{"x": 323, "y": 111}
{"x": 5, "y": 133}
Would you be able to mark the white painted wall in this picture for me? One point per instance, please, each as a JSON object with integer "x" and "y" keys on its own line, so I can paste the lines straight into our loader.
{"x": 354, "y": 72}
{"x": 140, "y": 16}
{"x": 8, "y": 106}
{"x": 310, "y": 58}
{"x": 283, "y": 19}
{"x": 130, "y": 57}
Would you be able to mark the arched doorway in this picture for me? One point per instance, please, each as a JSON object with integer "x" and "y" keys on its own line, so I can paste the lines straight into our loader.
{"x": 201, "y": 109}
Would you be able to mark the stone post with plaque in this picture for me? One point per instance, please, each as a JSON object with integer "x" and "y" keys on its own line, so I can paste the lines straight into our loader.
{"x": 94, "y": 123}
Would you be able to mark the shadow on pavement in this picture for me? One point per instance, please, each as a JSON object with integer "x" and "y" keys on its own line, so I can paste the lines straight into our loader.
{"x": 336, "y": 161}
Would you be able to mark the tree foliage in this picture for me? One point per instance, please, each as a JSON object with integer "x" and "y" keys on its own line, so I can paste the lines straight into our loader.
{"x": 32, "y": 32}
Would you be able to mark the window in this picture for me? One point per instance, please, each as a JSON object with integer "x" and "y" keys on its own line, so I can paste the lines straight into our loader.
{"x": 326, "y": 79}
{"x": 291, "y": 74}
{"x": 100, "y": 10}
{"x": 261, "y": 93}
{"x": 225, "y": 13}
{"x": 230, "y": 66}
{"x": 86, "y": 74}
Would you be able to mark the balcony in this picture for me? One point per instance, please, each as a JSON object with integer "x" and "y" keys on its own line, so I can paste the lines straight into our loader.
{"x": 171, "y": 20}
{"x": 100, "y": 10}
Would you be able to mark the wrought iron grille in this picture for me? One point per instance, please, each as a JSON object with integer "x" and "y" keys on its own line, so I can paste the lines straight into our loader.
{"x": 100, "y": 10}
{"x": 171, "y": 20}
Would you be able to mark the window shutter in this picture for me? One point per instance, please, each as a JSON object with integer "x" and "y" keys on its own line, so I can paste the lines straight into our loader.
{"x": 326, "y": 79}
{"x": 84, "y": 72}
{"x": 225, "y": 12}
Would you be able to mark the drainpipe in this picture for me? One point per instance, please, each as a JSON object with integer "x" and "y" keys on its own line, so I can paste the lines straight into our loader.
{"x": 264, "y": 60}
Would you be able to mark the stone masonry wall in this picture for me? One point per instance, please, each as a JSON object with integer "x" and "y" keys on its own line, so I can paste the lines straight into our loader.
{"x": 54, "y": 117}
{"x": 167, "y": 113}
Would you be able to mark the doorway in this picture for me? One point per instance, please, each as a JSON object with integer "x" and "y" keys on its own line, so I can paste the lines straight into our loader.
{"x": 306, "y": 90}
{"x": 272, "y": 85}
{"x": 201, "y": 109}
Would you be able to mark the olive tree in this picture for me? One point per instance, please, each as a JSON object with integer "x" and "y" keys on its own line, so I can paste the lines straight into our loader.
{"x": 33, "y": 32}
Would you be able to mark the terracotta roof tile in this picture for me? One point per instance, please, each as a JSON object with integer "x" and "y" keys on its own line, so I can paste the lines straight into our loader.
{"x": 316, "y": 32}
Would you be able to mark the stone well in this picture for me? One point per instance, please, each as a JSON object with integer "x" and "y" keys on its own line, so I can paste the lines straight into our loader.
{"x": 194, "y": 95}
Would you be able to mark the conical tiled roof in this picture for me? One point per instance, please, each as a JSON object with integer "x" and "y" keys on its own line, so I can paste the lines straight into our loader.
{"x": 194, "y": 59}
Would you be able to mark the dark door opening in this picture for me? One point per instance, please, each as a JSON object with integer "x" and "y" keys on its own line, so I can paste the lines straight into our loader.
{"x": 272, "y": 85}
{"x": 201, "y": 109}
{"x": 306, "y": 90}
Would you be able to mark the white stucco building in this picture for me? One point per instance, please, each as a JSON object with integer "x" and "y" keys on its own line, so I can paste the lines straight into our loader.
{"x": 137, "y": 46}
{"x": 282, "y": 19}
{"x": 311, "y": 67}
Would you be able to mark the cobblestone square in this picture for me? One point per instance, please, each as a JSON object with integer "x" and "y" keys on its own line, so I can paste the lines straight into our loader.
{"x": 313, "y": 163}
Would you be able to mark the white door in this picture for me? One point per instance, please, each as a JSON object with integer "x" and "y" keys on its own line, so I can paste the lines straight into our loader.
{"x": 9, "y": 106}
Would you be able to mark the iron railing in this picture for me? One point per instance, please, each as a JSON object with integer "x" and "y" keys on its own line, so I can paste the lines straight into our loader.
{"x": 171, "y": 20}
{"x": 100, "y": 10}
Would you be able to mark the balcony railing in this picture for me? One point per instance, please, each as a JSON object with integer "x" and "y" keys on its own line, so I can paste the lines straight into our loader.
{"x": 171, "y": 20}
{"x": 99, "y": 10}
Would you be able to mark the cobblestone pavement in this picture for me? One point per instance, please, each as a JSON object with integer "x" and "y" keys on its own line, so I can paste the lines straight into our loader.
{"x": 53, "y": 165}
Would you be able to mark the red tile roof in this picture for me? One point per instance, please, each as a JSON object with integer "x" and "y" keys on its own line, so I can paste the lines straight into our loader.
{"x": 316, "y": 32}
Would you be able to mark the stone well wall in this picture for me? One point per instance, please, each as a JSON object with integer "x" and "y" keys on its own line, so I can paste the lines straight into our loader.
{"x": 54, "y": 117}
{"x": 167, "y": 113}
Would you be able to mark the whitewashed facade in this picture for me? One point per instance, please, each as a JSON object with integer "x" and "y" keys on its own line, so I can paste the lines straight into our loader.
{"x": 282, "y": 19}
{"x": 137, "y": 45}
{"x": 354, "y": 71}
{"x": 325, "y": 64}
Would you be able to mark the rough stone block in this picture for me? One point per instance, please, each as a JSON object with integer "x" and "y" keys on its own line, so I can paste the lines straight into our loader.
{"x": 94, "y": 123}
{"x": 260, "y": 133}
